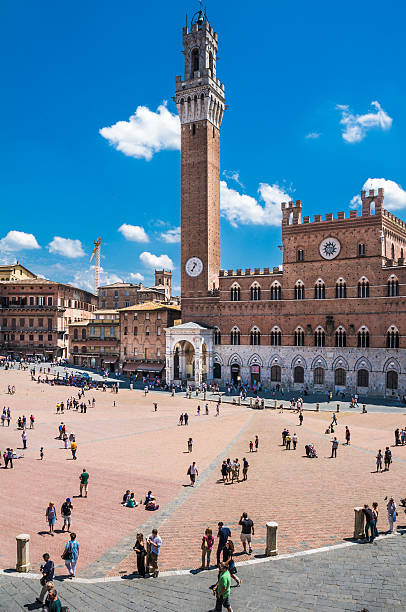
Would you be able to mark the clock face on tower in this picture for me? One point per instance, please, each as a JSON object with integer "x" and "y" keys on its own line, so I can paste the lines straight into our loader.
{"x": 194, "y": 266}
{"x": 329, "y": 248}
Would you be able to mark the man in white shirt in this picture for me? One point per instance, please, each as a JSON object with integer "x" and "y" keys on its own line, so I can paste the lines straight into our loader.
{"x": 154, "y": 541}
{"x": 193, "y": 472}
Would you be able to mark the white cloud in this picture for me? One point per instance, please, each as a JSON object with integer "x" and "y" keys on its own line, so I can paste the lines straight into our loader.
{"x": 233, "y": 175}
{"x": 136, "y": 276}
{"x": 156, "y": 261}
{"x": 313, "y": 135}
{"x": 84, "y": 278}
{"x": 134, "y": 233}
{"x": 66, "y": 247}
{"x": 355, "y": 127}
{"x": 171, "y": 236}
{"x": 395, "y": 195}
{"x": 243, "y": 209}
{"x": 18, "y": 241}
{"x": 145, "y": 133}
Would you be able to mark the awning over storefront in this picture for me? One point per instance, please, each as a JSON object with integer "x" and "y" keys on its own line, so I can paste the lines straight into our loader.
{"x": 109, "y": 359}
{"x": 142, "y": 366}
{"x": 130, "y": 367}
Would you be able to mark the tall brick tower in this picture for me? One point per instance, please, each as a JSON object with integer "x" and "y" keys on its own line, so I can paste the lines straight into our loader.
{"x": 200, "y": 103}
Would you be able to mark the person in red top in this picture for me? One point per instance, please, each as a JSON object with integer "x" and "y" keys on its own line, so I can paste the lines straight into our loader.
{"x": 32, "y": 419}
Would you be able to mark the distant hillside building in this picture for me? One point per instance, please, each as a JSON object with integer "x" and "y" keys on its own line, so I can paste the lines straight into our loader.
{"x": 121, "y": 295}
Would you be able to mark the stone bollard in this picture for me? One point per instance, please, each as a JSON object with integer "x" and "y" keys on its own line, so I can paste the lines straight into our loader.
{"x": 250, "y": 402}
{"x": 338, "y": 407}
{"x": 317, "y": 407}
{"x": 23, "y": 553}
{"x": 364, "y": 409}
{"x": 275, "y": 404}
{"x": 239, "y": 400}
{"x": 359, "y": 520}
{"x": 271, "y": 549}
{"x": 204, "y": 396}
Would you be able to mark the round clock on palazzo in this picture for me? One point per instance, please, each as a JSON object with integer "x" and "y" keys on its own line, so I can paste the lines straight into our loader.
{"x": 194, "y": 266}
{"x": 329, "y": 248}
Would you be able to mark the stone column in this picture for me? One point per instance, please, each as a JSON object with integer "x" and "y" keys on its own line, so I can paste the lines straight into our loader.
{"x": 23, "y": 553}
{"x": 359, "y": 520}
{"x": 209, "y": 366}
{"x": 182, "y": 364}
{"x": 198, "y": 367}
{"x": 271, "y": 549}
{"x": 317, "y": 407}
{"x": 169, "y": 367}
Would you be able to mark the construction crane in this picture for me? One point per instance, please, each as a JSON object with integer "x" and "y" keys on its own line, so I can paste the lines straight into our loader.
{"x": 96, "y": 256}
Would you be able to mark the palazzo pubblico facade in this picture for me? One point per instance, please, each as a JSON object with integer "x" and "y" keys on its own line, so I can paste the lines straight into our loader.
{"x": 332, "y": 318}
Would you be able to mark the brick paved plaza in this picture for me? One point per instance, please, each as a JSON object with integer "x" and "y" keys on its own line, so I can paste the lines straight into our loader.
{"x": 132, "y": 447}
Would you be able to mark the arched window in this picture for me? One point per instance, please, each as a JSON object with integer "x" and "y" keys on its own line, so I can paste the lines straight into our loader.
{"x": 75, "y": 333}
{"x": 340, "y": 377}
{"x": 298, "y": 374}
{"x": 319, "y": 290}
{"x": 211, "y": 63}
{"x": 362, "y": 378}
{"x": 83, "y": 334}
{"x": 299, "y": 337}
{"x": 276, "y": 337}
{"x": 276, "y": 292}
{"x": 392, "y": 251}
{"x": 341, "y": 337}
{"x": 235, "y": 336}
{"x": 195, "y": 61}
{"x": 393, "y": 286}
{"x": 363, "y": 288}
{"x": 318, "y": 376}
{"x": 392, "y": 337}
{"x": 217, "y": 336}
{"x": 319, "y": 337}
{"x": 401, "y": 253}
{"x": 235, "y": 293}
{"x": 276, "y": 373}
{"x": 216, "y": 370}
{"x": 300, "y": 255}
{"x": 255, "y": 292}
{"x": 391, "y": 379}
{"x": 76, "y": 349}
{"x": 255, "y": 336}
{"x": 341, "y": 289}
{"x": 361, "y": 250}
{"x": 363, "y": 338}
{"x": 299, "y": 291}
{"x": 84, "y": 349}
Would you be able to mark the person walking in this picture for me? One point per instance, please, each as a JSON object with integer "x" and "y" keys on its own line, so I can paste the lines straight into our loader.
{"x": 190, "y": 445}
{"x": 379, "y": 459}
{"x": 32, "y": 419}
{"x": 294, "y": 441}
{"x": 84, "y": 482}
{"x": 256, "y": 443}
{"x": 207, "y": 547}
{"x": 247, "y": 531}
{"x": 288, "y": 441}
{"x": 375, "y": 512}
{"x": 334, "y": 418}
{"x": 300, "y": 418}
{"x": 66, "y": 513}
{"x": 251, "y": 446}
{"x": 391, "y": 508}
{"x": 47, "y": 570}
{"x": 139, "y": 548}
{"x": 65, "y": 439}
{"x": 71, "y": 555}
{"x": 24, "y": 439}
{"x": 387, "y": 458}
{"x": 223, "y": 534}
{"x": 186, "y": 418}
{"x": 50, "y": 516}
{"x": 54, "y": 604}
{"x": 347, "y": 435}
{"x": 192, "y": 473}
{"x": 334, "y": 446}
{"x": 155, "y": 542}
{"x": 222, "y": 589}
{"x": 74, "y": 448}
{"x": 229, "y": 561}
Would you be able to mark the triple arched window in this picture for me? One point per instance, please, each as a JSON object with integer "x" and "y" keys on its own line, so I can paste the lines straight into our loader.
{"x": 217, "y": 336}
{"x": 392, "y": 337}
{"x": 276, "y": 291}
{"x": 299, "y": 290}
{"x": 235, "y": 293}
{"x": 255, "y": 292}
{"x": 299, "y": 337}
{"x": 235, "y": 336}
{"x": 255, "y": 336}
{"x": 363, "y": 337}
{"x": 276, "y": 337}
{"x": 363, "y": 288}
{"x": 341, "y": 289}
{"x": 393, "y": 286}
{"x": 319, "y": 290}
{"x": 340, "y": 337}
{"x": 319, "y": 337}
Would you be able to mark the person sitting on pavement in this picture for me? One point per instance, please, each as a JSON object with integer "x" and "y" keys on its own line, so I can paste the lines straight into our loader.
{"x": 125, "y": 497}
{"x": 131, "y": 502}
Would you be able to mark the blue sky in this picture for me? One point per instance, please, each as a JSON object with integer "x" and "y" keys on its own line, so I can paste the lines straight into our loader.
{"x": 316, "y": 96}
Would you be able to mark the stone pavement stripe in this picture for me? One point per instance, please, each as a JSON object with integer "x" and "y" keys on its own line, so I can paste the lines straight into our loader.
{"x": 122, "y": 549}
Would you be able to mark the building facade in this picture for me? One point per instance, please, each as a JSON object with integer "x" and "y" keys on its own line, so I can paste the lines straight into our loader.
{"x": 121, "y": 295}
{"x": 95, "y": 343}
{"x": 142, "y": 337}
{"x": 332, "y": 317}
{"x": 35, "y": 314}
